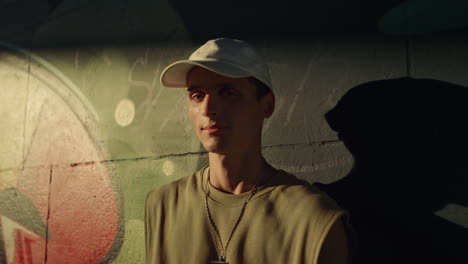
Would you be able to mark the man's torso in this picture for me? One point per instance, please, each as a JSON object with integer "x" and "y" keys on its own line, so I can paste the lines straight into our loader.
{"x": 285, "y": 222}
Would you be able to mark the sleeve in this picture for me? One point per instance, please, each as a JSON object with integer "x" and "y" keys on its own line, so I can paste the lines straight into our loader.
{"x": 154, "y": 222}
{"x": 329, "y": 214}
{"x": 148, "y": 227}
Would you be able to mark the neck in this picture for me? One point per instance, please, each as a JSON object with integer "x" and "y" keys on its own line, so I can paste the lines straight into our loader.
{"x": 237, "y": 172}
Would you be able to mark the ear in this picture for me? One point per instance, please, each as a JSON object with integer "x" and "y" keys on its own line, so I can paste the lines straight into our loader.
{"x": 268, "y": 104}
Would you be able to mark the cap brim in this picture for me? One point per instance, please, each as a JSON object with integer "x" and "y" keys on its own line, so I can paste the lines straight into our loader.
{"x": 175, "y": 75}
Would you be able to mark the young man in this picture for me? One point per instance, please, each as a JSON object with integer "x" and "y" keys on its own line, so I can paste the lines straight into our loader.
{"x": 239, "y": 209}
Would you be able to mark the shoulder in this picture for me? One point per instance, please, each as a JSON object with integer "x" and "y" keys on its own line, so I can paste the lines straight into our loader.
{"x": 321, "y": 212}
{"x": 310, "y": 205}
{"x": 166, "y": 192}
{"x": 303, "y": 194}
{"x": 171, "y": 191}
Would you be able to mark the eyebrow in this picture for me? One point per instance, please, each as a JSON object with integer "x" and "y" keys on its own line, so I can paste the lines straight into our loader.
{"x": 224, "y": 85}
{"x": 192, "y": 88}
{"x": 218, "y": 86}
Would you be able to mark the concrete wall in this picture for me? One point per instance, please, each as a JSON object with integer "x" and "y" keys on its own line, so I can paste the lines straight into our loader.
{"x": 87, "y": 131}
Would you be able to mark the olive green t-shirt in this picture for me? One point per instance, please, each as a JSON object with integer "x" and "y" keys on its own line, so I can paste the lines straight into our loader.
{"x": 285, "y": 222}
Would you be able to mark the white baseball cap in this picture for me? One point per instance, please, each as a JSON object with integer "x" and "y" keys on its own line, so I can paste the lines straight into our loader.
{"x": 228, "y": 57}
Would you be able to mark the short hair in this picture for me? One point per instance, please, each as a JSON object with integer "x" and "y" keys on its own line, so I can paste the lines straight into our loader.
{"x": 261, "y": 88}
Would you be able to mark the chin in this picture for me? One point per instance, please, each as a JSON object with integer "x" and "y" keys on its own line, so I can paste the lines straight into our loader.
{"x": 215, "y": 148}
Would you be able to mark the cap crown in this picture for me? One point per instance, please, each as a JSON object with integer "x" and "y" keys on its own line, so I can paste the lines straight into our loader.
{"x": 228, "y": 57}
{"x": 236, "y": 52}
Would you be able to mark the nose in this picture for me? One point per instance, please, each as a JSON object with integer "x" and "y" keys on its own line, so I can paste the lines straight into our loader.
{"x": 210, "y": 106}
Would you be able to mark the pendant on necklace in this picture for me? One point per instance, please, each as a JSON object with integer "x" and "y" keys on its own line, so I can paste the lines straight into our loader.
{"x": 221, "y": 260}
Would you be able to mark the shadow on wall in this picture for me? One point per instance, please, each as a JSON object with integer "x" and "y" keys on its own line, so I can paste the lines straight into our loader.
{"x": 409, "y": 139}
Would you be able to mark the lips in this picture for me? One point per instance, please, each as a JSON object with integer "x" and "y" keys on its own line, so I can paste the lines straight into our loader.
{"x": 213, "y": 128}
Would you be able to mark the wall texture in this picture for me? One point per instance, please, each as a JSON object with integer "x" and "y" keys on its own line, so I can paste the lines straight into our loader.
{"x": 87, "y": 131}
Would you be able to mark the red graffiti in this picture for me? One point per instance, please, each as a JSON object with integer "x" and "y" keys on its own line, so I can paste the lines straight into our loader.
{"x": 58, "y": 200}
{"x": 21, "y": 245}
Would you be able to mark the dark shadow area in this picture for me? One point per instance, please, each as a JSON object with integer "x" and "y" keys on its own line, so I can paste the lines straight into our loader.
{"x": 409, "y": 140}
{"x": 70, "y": 23}
{"x": 278, "y": 19}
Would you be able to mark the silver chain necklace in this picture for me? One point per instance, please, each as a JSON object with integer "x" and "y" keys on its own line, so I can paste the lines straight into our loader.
{"x": 222, "y": 256}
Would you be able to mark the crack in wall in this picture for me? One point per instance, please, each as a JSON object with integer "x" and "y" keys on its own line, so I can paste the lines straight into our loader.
{"x": 26, "y": 113}
{"x": 177, "y": 155}
{"x": 48, "y": 216}
{"x": 201, "y": 153}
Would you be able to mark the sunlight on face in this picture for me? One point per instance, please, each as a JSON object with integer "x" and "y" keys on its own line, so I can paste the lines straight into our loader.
{"x": 225, "y": 112}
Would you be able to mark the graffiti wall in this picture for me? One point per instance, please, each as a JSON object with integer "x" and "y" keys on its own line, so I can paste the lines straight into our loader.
{"x": 87, "y": 132}
{"x": 74, "y": 123}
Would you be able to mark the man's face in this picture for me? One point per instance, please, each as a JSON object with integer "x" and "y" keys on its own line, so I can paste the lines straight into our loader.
{"x": 225, "y": 112}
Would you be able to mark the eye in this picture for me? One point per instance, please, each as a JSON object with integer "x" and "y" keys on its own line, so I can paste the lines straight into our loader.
{"x": 228, "y": 92}
{"x": 196, "y": 96}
